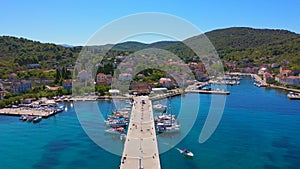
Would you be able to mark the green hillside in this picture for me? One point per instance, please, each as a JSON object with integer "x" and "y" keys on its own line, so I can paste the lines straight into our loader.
{"x": 17, "y": 53}
{"x": 257, "y": 45}
{"x": 240, "y": 45}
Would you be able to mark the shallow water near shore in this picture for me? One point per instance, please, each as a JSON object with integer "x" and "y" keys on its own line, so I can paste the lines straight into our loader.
{"x": 259, "y": 129}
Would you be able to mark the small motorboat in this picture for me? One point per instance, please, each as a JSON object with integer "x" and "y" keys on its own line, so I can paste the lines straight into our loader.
{"x": 117, "y": 130}
{"x": 186, "y": 153}
{"x": 37, "y": 119}
{"x": 23, "y": 117}
{"x": 30, "y": 118}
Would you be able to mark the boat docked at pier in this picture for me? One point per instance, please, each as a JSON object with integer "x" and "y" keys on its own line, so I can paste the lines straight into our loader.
{"x": 115, "y": 130}
{"x": 37, "y": 119}
{"x": 167, "y": 123}
{"x": 24, "y": 117}
{"x": 118, "y": 119}
{"x": 293, "y": 96}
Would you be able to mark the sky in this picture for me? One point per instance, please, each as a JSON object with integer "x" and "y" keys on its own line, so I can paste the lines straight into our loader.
{"x": 74, "y": 22}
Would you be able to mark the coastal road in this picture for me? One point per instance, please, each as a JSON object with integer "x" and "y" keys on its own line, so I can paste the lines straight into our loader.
{"x": 140, "y": 149}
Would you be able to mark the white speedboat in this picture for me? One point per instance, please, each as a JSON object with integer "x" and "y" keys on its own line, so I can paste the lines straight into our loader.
{"x": 37, "y": 119}
{"x": 186, "y": 153}
{"x": 295, "y": 96}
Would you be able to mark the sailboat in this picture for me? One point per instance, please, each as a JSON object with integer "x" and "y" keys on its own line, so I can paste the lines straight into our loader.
{"x": 166, "y": 123}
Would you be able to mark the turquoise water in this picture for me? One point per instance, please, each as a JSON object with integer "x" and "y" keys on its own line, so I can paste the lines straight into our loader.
{"x": 259, "y": 129}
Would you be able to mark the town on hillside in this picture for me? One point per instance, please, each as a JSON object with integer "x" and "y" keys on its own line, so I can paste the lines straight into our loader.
{"x": 14, "y": 89}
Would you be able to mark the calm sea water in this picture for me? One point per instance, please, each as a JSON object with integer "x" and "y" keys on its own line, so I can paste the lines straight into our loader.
{"x": 259, "y": 129}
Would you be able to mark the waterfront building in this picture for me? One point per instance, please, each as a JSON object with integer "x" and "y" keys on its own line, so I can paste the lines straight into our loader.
{"x": 267, "y": 77}
{"x": 140, "y": 88}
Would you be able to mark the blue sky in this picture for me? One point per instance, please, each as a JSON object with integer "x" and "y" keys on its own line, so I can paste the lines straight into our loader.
{"x": 74, "y": 22}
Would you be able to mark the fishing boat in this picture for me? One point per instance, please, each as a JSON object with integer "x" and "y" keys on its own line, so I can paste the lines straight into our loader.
{"x": 37, "y": 119}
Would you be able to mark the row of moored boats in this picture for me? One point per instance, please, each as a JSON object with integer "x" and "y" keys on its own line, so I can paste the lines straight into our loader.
{"x": 30, "y": 118}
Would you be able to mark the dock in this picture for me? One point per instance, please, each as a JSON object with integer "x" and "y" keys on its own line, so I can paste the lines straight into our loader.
{"x": 259, "y": 79}
{"x": 208, "y": 92}
{"x": 22, "y": 111}
{"x": 166, "y": 95}
{"x": 141, "y": 149}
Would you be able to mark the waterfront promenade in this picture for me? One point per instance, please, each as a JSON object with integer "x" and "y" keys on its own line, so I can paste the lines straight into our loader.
{"x": 140, "y": 149}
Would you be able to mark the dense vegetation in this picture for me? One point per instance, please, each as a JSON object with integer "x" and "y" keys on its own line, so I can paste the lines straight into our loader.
{"x": 17, "y": 53}
{"x": 253, "y": 46}
{"x": 260, "y": 46}
{"x": 256, "y": 46}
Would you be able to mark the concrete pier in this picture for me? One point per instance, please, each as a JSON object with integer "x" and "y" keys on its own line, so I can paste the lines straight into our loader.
{"x": 208, "y": 92}
{"x": 140, "y": 149}
{"x": 23, "y": 111}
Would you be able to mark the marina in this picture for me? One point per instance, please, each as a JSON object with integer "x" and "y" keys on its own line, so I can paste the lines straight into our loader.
{"x": 268, "y": 119}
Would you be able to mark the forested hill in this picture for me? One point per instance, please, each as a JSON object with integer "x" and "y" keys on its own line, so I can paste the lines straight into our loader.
{"x": 238, "y": 43}
{"x": 19, "y": 52}
{"x": 232, "y": 44}
{"x": 259, "y": 45}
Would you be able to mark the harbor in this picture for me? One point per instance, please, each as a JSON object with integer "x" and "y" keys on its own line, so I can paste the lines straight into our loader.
{"x": 59, "y": 141}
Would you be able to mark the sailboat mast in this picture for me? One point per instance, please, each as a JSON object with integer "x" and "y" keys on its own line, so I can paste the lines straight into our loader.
{"x": 170, "y": 107}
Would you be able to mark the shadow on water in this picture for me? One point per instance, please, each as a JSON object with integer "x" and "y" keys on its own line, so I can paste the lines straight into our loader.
{"x": 50, "y": 158}
{"x": 283, "y": 142}
{"x": 292, "y": 155}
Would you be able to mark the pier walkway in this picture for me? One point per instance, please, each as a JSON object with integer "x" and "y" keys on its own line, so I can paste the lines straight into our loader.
{"x": 140, "y": 149}
{"x": 20, "y": 111}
